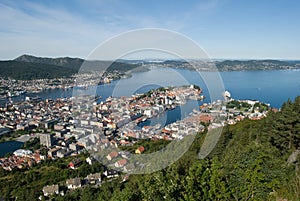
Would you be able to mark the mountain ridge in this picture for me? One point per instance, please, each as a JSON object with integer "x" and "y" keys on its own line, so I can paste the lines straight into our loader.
{"x": 28, "y": 67}
{"x": 68, "y": 62}
{"x": 33, "y": 67}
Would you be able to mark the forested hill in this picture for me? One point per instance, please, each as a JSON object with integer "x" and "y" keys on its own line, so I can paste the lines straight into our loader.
{"x": 28, "y": 70}
{"x": 28, "y": 67}
{"x": 67, "y": 62}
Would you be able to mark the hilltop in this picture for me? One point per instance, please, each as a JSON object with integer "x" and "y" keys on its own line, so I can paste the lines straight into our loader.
{"x": 66, "y": 62}
{"x": 27, "y": 67}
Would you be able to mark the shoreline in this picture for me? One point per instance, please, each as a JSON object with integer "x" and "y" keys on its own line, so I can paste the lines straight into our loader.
{"x": 22, "y": 138}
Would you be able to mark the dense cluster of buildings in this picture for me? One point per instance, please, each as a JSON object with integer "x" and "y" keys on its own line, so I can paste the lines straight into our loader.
{"x": 67, "y": 126}
{"x": 21, "y": 159}
{"x": 52, "y": 147}
{"x": 11, "y": 87}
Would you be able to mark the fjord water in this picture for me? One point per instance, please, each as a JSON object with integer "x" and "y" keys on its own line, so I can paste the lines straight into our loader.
{"x": 271, "y": 86}
{"x": 274, "y": 86}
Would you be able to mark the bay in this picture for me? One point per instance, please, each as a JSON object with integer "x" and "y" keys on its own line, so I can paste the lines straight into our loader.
{"x": 272, "y": 86}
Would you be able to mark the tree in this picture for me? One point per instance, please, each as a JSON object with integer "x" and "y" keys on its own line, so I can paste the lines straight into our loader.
{"x": 197, "y": 182}
{"x": 87, "y": 194}
{"x": 218, "y": 188}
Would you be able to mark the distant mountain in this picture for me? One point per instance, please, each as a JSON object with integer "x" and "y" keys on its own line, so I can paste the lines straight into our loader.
{"x": 30, "y": 67}
{"x": 67, "y": 62}
{"x": 28, "y": 70}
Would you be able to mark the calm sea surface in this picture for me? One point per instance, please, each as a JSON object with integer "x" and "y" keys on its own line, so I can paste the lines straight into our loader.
{"x": 273, "y": 87}
{"x": 8, "y": 147}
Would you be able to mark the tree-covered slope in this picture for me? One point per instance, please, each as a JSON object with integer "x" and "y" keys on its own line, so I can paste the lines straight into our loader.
{"x": 27, "y": 70}
{"x": 27, "y": 67}
{"x": 67, "y": 62}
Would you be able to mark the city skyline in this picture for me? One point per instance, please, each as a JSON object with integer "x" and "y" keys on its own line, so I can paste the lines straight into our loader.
{"x": 226, "y": 29}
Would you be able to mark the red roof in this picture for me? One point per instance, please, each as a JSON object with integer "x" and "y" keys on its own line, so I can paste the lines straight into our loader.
{"x": 141, "y": 149}
{"x": 205, "y": 118}
{"x": 113, "y": 154}
{"x": 122, "y": 162}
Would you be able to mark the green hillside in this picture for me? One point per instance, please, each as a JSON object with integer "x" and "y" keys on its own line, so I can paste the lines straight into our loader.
{"x": 28, "y": 67}
{"x": 28, "y": 70}
{"x": 67, "y": 62}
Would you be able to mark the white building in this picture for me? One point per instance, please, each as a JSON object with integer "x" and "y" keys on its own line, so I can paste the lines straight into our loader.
{"x": 22, "y": 152}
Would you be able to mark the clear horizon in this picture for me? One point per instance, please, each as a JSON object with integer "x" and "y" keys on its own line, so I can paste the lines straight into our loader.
{"x": 227, "y": 29}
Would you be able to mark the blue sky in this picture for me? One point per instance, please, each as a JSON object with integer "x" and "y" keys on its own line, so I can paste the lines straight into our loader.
{"x": 229, "y": 29}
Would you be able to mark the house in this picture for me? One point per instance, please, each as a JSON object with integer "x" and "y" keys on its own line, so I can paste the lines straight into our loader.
{"x": 73, "y": 183}
{"x": 112, "y": 155}
{"x": 62, "y": 153}
{"x": 50, "y": 190}
{"x": 121, "y": 163}
{"x": 140, "y": 150}
{"x": 58, "y": 127}
{"x": 240, "y": 118}
{"x": 146, "y": 128}
{"x": 111, "y": 125}
{"x": 94, "y": 178}
{"x": 75, "y": 163}
{"x": 74, "y": 146}
{"x": 90, "y": 160}
{"x": 204, "y": 108}
{"x": 53, "y": 152}
{"x": 167, "y": 131}
{"x": 111, "y": 173}
{"x": 205, "y": 118}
